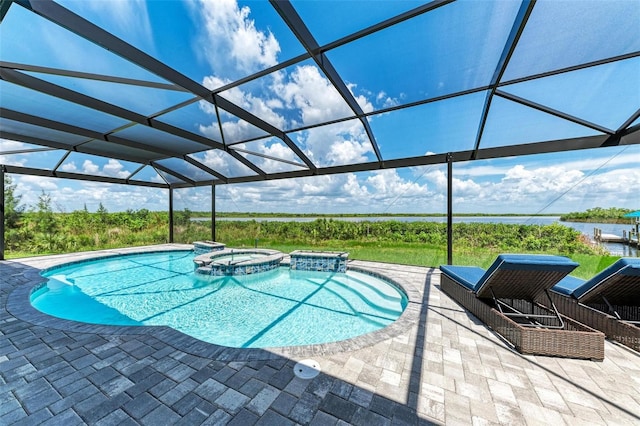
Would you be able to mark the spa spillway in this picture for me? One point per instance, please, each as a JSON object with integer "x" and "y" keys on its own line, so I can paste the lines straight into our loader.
{"x": 237, "y": 262}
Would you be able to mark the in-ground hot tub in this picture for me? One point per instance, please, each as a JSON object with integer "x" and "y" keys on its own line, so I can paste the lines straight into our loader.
{"x": 326, "y": 261}
{"x": 203, "y": 247}
{"x": 237, "y": 262}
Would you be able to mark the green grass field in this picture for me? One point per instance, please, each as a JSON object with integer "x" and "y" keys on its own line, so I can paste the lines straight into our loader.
{"x": 408, "y": 243}
{"x": 422, "y": 255}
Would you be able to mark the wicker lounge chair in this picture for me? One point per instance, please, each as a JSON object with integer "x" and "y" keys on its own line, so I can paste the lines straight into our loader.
{"x": 504, "y": 298}
{"x": 609, "y": 302}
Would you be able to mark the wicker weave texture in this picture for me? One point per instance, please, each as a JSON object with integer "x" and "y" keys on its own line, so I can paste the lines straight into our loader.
{"x": 620, "y": 331}
{"x": 619, "y": 289}
{"x": 574, "y": 341}
{"x": 520, "y": 283}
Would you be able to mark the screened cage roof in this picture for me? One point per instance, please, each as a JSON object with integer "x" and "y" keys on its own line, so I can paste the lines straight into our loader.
{"x": 173, "y": 93}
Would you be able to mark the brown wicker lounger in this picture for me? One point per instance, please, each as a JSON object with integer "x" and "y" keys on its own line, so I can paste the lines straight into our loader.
{"x": 609, "y": 302}
{"x": 504, "y": 298}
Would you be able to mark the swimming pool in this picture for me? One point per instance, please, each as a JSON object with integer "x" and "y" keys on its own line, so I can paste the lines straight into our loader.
{"x": 281, "y": 307}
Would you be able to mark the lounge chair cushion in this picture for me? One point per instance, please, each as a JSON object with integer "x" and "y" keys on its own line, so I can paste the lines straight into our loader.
{"x": 529, "y": 262}
{"x": 568, "y": 285}
{"x": 624, "y": 266}
{"x": 475, "y": 278}
{"x": 468, "y": 276}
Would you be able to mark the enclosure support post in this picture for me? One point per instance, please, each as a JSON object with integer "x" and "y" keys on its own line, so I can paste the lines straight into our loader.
{"x": 449, "y": 209}
{"x": 171, "y": 215}
{"x": 213, "y": 212}
{"x": 2, "y": 201}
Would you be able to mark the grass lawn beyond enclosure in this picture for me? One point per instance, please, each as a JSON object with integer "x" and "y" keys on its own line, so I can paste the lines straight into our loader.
{"x": 410, "y": 243}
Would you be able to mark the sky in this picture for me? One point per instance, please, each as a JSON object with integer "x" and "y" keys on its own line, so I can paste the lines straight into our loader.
{"x": 217, "y": 42}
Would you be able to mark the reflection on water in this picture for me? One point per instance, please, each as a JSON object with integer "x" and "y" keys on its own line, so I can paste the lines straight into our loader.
{"x": 616, "y": 249}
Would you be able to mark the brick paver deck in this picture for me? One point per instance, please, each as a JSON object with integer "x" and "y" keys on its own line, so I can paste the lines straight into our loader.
{"x": 436, "y": 365}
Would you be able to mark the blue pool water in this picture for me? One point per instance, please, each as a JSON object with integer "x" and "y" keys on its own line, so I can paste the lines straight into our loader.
{"x": 276, "y": 308}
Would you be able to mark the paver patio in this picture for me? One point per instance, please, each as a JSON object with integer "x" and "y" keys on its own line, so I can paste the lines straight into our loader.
{"x": 436, "y": 365}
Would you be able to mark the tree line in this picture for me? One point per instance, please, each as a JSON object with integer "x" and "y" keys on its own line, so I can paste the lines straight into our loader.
{"x": 553, "y": 238}
{"x": 599, "y": 215}
{"x": 40, "y": 230}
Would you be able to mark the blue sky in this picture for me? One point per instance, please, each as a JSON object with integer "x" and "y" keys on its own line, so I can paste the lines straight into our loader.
{"x": 550, "y": 183}
{"x": 216, "y": 42}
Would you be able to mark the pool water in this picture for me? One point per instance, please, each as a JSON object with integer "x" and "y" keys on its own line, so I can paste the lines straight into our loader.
{"x": 281, "y": 307}
{"x": 235, "y": 258}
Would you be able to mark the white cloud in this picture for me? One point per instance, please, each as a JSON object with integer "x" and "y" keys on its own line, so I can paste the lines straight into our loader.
{"x": 353, "y": 188}
{"x": 306, "y": 91}
{"x": 310, "y": 92}
{"x": 279, "y": 150}
{"x": 313, "y": 194}
{"x": 233, "y": 128}
{"x": 272, "y": 148}
{"x": 38, "y": 183}
{"x": 471, "y": 169}
{"x": 235, "y": 131}
{"x": 385, "y": 101}
{"x": 388, "y": 183}
{"x": 115, "y": 168}
{"x": 157, "y": 179}
{"x": 608, "y": 189}
{"x": 194, "y": 199}
{"x": 89, "y": 168}
{"x": 605, "y": 159}
{"x": 9, "y": 146}
{"x": 231, "y": 43}
{"x": 559, "y": 188}
{"x": 521, "y": 188}
{"x": 531, "y": 187}
{"x": 348, "y": 152}
{"x": 375, "y": 192}
{"x": 463, "y": 188}
{"x": 74, "y": 195}
{"x": 524, "y": 184}
{"x": 341, "y": 143}
{"x": 69, "y": 167}
{"x": 68, "y": 195}
{"x": 262, "y": 108}
{"x": 13, "y": 161}
{"x": 220, "y": 161}
{"x": 586, "y": 161}
{"x": 230, "y": 33}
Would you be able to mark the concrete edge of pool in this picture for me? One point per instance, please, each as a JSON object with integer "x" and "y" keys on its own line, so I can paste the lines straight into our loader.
{"x": 19, "y": 305}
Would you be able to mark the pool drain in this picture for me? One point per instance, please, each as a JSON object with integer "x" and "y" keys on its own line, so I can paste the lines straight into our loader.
{"x": 307, "y": 369}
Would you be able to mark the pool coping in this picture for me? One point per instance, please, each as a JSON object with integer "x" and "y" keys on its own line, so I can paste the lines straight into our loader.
{"x": 18, "y": 304}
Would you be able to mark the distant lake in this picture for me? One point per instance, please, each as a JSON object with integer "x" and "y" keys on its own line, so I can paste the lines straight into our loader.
{"x": 585, "y": 228}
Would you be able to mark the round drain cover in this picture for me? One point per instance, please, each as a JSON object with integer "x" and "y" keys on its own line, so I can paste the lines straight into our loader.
{"x": 307, "y": 369}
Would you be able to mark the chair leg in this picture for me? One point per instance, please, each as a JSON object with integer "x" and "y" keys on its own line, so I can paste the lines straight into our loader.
{"x": 531, "y": 317}
{"x": 612, "y": 310}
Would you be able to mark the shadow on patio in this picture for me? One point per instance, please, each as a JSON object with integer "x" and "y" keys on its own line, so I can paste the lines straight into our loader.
{"x": 447, "y": 368}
